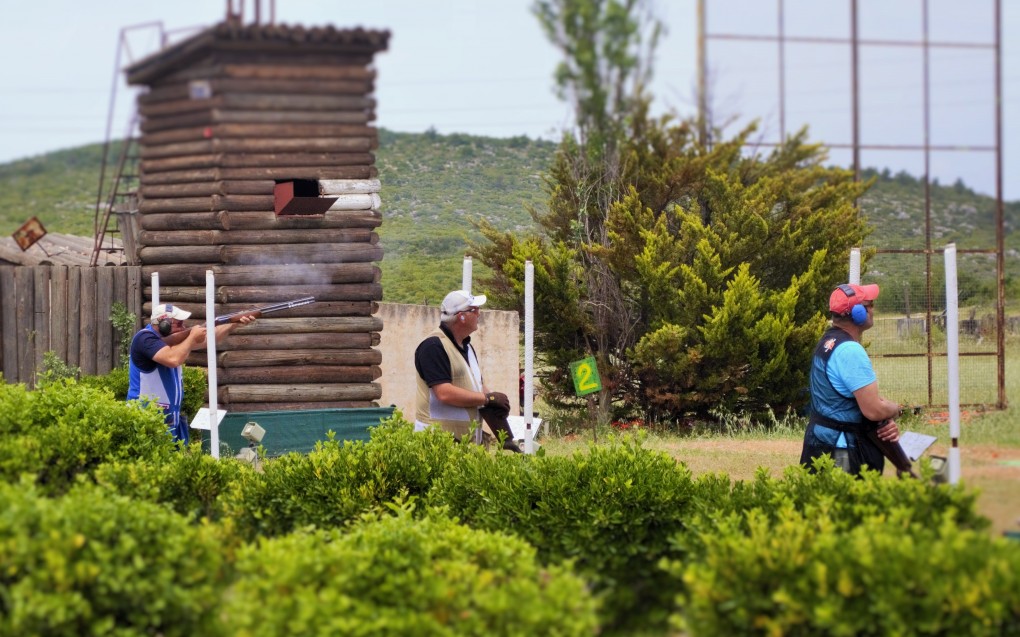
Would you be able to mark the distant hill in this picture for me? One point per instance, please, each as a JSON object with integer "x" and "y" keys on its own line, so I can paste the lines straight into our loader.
{"x": 435, "y": 185}
{"x": 895, "y": 208}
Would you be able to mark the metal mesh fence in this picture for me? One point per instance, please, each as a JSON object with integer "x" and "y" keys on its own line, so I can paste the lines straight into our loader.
{"x": 908, "y": 341}
{"x": 880, "y": 83}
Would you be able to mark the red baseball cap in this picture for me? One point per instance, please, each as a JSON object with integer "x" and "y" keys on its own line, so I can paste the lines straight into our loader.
{"x": 847, "y": 295}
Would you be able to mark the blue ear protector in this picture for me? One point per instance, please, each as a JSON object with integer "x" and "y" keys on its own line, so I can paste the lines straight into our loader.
{"x": 165, "y": 326}
{"x": 858, "y": 313}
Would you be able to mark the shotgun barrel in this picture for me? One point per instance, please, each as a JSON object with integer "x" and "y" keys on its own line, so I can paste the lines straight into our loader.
{"x": 234, "y": 317}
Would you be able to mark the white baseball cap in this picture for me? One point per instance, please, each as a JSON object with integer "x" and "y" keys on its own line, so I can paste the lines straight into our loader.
{"x": 458, "y": 301}
{"x": 166, "y": 310}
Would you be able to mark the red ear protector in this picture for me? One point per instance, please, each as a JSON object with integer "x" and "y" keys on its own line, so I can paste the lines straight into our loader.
{"x": 858, "y": 313}
{"x": 165, "y": 325}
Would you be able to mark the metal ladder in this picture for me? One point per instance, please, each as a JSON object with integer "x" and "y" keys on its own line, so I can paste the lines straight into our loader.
{"x": 118, "y": 196}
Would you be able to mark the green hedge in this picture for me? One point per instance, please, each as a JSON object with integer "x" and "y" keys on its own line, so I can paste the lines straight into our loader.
{"x": 190, "y": 482}
{"x": 92, "y": 563}
{"x": 195, "y": 380}
{"x": 66, "y": 429}
{"x": 805, "y": 553}
{"x": 400, "y": 576}
{"x": 850, "y": 499}
{"x": 613, "y": 510}
{"x": 339, "y": 481}
{"x": 807, "y": 574}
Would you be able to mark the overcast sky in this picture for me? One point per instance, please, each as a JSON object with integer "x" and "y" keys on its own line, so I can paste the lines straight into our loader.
{"x": 484, "y": 67}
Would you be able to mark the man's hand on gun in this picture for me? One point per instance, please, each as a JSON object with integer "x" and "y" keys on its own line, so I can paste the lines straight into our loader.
{"x": 887, "y": 437}
{"x": 889, "y": 431}
{"x": 494, "y": 412}
{"x": 497, "y": 400}
{"x": 196, "y": 335}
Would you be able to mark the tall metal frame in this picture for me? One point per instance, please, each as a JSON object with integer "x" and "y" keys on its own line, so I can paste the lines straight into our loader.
{"x": 855, "y": 42}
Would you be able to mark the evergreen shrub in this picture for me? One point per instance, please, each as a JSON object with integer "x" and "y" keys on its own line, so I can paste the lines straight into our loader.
{"x": 93, "y": 563}
{"x": 612, "y": 510}
{"x": 190, "y": 482}
{"x": 794, "y": 573}
{"x": 338, "y": 481}
{"x": 65, "y": 429}
{"x": 195, "y": 380}
{"x": 847, "y": 500}
{"x": 401, "y": 576}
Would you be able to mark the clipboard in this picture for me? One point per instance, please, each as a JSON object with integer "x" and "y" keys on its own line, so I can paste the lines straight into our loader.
{"x": 915, "y": 444}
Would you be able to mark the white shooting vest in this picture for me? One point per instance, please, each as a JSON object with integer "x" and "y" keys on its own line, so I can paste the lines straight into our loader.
{"x": 467, "y": 374}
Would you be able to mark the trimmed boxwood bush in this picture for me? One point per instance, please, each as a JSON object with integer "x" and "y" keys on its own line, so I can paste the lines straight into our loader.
{"x": 849, "y": 499}
{"x": 196, "y": 387}
{"x": 190, "y": 482}
{"x": 93, "y": 563}
{"x": 339, "y": 481}
{"x": 401, "y": 576}
{"x": 613, "y": 510}
{"x": 65, "y": 429}
{"x": 789, "y": 573}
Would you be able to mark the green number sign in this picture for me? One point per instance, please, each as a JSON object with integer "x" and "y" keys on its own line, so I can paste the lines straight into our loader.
{"x": 586, "y": 376}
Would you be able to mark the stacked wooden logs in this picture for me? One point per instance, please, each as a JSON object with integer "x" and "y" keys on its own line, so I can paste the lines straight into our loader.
{"x": 231, "y": 114}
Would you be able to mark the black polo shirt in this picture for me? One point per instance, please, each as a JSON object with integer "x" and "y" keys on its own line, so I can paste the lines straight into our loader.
{"x": 431, "y": 361}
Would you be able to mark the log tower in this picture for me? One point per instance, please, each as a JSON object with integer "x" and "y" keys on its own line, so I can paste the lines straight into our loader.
{"x": 257, "y": 163}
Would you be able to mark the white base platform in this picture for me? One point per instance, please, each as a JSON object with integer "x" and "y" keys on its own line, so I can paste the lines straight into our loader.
{"x": 519, "y": 427}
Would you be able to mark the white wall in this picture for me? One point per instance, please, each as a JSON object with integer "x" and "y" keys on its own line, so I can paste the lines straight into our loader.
{"x": 497, "y": 343}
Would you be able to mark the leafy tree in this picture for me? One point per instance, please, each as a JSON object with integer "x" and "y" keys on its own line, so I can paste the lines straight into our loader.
{"x": 695, "y": 275}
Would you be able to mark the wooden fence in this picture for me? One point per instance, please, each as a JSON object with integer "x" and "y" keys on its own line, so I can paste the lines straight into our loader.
{"x": 66, "y": 310}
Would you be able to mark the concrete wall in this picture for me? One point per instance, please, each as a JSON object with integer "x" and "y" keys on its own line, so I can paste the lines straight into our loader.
{"x": 497, "y": 343}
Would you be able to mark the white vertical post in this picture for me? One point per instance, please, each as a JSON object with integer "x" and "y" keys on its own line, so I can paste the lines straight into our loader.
{"x": 855, "y": 266}
{"x": 465, "y": 282}
{"x": 210, "y": 339}
{"x": 953, "y": 359}
{"x": 529, "y": 356}
{"x": 155, "y": 291}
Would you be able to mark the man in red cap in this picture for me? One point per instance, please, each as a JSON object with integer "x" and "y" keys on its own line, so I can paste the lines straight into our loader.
{"x": 849, "y": 418}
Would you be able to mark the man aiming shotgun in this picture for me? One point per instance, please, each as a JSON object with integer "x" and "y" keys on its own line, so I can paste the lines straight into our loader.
{"x": 850, "y": 420}
{"x": 159, "y": 349}
{"x": 235, "y": 317}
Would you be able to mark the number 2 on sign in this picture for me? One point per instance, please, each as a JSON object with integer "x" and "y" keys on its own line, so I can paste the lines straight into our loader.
{"x": 585, "y": 380}
{"x": 586, "y": 376}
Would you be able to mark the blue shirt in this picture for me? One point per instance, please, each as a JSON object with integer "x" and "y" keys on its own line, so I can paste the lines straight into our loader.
{"x": 148, "y": 380}
{"x": 849, "y": 370}
{"x": 833, "y": 386}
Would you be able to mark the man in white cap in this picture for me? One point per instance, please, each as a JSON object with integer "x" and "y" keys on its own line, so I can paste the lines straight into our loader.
{"x": 451, "y": 392}
{"x": 849, "y": 419}
{"x": 158, "y": 352}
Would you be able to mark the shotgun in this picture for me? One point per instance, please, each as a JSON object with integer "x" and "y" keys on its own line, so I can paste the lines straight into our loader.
{"x": 235, "y": 317}
{"x": 894, "y": 452}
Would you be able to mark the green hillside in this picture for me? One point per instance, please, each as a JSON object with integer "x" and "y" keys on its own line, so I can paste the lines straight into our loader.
{"x": 895, "y": 208}
{"x": 59, "y": 187}
{"x": 434, "y": 186}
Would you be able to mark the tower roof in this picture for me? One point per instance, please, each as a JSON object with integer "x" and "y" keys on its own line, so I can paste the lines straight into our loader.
{"x": 257, "y": 38}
